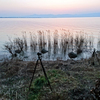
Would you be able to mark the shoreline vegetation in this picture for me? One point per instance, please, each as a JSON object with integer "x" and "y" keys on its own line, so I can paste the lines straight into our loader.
{"x": 70, "y": 79}
{"x": 58, "y": 43}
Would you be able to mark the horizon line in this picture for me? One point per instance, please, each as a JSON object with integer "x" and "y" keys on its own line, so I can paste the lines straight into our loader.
{"x": 54, "y": 16}
{"x": 51, "y": 17}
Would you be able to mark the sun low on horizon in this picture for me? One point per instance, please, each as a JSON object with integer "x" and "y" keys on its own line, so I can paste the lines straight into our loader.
{"x": 30, "y": 7}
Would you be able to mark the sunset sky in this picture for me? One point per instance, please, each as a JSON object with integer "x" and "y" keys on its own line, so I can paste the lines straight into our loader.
{"x": 29, "y": 7}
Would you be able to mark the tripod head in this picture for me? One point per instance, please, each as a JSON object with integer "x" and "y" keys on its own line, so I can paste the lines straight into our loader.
{"x": 39, "y": 55}
{"x": 43, "y": 51}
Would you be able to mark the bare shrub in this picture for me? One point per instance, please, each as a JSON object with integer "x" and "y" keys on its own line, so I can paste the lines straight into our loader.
{"x": 9, "y": 48}
{"x": 19, "y": 44}
{"x": 16, "y": 44}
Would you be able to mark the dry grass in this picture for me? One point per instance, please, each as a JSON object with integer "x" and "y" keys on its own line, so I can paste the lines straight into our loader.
{"x": 71, "y": 80}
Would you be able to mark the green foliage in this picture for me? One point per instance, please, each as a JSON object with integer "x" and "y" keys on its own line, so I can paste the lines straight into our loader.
{"x": 36, "y": 90}
{"x": 55, "y": 74}
{"x": 40, "y": 82}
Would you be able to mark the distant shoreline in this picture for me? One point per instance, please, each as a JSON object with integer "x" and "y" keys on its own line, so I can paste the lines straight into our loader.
{"x": 45, "y": 17}
{"x": 53, "y": 15}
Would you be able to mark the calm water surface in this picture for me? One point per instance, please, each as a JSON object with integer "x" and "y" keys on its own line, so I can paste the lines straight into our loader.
{"x": 12, "y": 27}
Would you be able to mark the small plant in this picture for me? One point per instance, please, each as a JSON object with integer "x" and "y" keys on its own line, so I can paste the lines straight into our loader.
{"x": 40, "y": 82}
{"x": 35, "y": 91}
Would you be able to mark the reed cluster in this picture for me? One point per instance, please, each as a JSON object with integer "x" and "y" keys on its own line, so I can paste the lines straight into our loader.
{"x": 57, "y": 42}
{"x": 60, "y": 42}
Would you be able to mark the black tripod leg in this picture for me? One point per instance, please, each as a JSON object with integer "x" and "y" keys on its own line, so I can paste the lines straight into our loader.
{"x": 45, "y": 74}
{"x": 33, "y": 74}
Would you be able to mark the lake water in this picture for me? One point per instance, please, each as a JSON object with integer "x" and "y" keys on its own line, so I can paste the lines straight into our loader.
{"x": 15, "y": 27}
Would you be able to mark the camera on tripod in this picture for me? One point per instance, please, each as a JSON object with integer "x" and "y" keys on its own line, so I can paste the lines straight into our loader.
{"x": 43, "y": 51}
{"x": 39, "y": 54}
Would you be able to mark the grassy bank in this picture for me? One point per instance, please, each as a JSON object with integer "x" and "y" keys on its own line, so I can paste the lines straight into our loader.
{"x": 70, "y": 80}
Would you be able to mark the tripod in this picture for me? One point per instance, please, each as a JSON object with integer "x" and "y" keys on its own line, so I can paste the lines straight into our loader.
{"x": 39, "y": 58}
